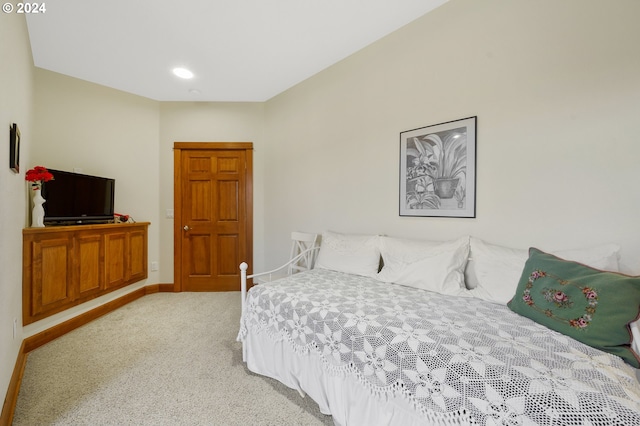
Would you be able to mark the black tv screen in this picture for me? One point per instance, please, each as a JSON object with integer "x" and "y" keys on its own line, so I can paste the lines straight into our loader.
{"x": 77, "y": 198}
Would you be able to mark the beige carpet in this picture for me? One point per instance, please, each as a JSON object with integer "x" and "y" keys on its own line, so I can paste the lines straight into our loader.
{"x": 165, "y": 359}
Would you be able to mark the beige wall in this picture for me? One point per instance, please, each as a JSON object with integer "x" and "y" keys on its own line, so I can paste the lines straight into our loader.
{"x": 102, "y": 132}
{"x": 556, "y": 91}
{"x": 209, "y": 122}
{"x": 16, "y": 106}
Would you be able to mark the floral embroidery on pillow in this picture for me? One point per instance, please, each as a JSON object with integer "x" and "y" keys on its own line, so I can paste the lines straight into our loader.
{"x": 561, "y": 300}
{"x": 557, "y": 297}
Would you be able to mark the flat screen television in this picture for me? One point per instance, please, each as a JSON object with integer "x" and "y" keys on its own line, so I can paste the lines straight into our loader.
{"x": 74, "y": 198}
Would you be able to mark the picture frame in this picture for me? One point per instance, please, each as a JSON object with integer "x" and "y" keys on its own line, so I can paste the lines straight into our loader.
{"x": 14, "y": 148}
{"x": 438, "y": 170}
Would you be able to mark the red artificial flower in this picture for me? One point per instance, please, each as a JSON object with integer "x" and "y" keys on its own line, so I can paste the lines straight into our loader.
{"x": 37, "y": 176}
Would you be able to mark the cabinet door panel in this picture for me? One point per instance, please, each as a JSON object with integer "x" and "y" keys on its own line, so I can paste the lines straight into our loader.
{"x": 137, "y": 255}
{"x": 90, "y": 264}
{"x": 115, "y": 251}
{"x": 51, "y": 274}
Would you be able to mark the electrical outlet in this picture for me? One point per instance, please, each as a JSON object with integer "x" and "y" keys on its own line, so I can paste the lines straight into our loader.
{"x": 15, "y": 328}
{"x": 154, "y": 266}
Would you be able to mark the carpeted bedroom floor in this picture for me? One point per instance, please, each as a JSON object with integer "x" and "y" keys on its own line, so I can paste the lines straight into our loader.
{"x": 165, "y": 359}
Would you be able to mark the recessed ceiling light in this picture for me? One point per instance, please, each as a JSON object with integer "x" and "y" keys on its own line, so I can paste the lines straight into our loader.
{"x": 183, "y": 73}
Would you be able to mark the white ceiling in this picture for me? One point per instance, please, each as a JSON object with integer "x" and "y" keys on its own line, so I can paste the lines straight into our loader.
{"x": 239, "y": 50}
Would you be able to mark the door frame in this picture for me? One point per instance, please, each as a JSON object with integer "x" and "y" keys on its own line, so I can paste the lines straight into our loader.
{"x": 178, "y": 147}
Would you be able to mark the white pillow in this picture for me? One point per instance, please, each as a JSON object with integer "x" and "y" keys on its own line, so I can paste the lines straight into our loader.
{"x": 353, "y": 254}
{"x": 428, "y": 265}
{"x": 494, "y": 271}
{"x": 635, "y": 341}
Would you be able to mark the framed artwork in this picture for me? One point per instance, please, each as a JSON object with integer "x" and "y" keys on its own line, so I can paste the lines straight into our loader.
{"x": 438, "y": 170}
{"x": 14, "y": 148}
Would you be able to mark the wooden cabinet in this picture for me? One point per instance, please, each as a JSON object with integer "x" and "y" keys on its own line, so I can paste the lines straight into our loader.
{"x": 65, "y": 266}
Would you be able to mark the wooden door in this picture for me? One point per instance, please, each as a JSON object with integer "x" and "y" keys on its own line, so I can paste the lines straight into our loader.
{"x": 213, "y": 214}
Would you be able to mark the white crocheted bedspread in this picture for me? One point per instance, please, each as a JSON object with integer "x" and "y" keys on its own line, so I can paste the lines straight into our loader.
{"x": 457, "y": 359}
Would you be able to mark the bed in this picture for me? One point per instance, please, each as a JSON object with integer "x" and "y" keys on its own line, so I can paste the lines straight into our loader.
{"x": 391, "y": 346}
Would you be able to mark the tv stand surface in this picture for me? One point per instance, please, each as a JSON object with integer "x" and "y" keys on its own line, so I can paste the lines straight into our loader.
{"x": 64, "y": 266}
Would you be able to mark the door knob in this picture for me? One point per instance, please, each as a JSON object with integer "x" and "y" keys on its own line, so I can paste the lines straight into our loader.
{"x": 186, "y": 227}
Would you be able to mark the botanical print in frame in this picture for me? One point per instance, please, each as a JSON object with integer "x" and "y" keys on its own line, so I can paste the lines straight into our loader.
{"x": 438, "y": 170}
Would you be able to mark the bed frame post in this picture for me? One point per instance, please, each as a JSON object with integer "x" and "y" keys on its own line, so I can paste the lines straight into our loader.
{"x": 243, "y": 283}
{"x": 306, "y": 254}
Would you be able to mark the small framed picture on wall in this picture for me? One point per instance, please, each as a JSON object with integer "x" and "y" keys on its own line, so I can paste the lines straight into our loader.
{"x": 438, "y": 170}
{"x": 14, "y": 148}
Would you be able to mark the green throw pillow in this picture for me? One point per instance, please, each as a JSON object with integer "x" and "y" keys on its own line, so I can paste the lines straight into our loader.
{"x": 592, "y": 306}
